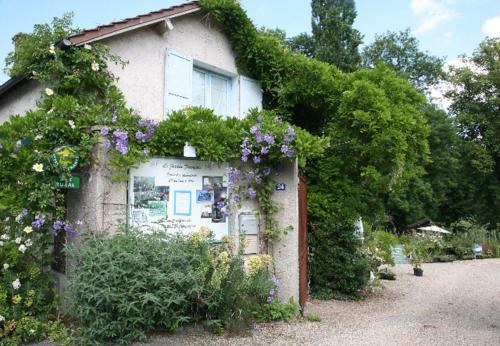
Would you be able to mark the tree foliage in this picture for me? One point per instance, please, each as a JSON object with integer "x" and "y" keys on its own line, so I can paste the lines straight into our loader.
{"x": 400, "y": 51}
{"x": 336, "y": 41}
{"x": 475, "y": 103}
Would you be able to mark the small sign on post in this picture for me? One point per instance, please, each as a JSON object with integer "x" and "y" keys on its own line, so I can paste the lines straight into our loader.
{"x": 72, "y": 182}
{"x": 65, "y": 159}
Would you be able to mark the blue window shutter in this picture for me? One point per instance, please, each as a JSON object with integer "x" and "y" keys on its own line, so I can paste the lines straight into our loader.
{"x": 250, "y": 95}
{"x": 178, "y": 80}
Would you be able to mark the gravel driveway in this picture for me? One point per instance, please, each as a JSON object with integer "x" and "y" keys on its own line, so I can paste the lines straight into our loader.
{"x": 452, "y": 304}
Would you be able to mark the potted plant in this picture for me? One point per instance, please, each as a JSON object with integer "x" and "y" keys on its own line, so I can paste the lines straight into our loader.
{"x": 416, "y": 247}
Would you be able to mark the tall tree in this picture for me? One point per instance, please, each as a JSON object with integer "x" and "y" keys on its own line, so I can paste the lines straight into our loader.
{"x": 336, "y": 41}
{"x": 476, "y": 105}
{"x": 401, "y": 52}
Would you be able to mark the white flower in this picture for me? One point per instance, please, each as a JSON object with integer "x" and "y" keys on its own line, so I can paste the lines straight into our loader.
{"x": 32, "y": 331}
{"x": 34, "y": 73}
{"x": 1, "y": 243}
{"x": 52, "y": 49}
{"x": 2, "y": 318}
{"x": 87, "y": 46}
{"x": 28, "y": 242}
{"x": 95, "y": 66}
{"x": 49, "y": 91}
{"x": 71, "y": 124}
{"x": 38, "y": 137}
{"x": 38, "y": 167}
{"x": 79, "y": 222}
{"x": 16, "y": 284}
{"x": 18, "y": 240}
{"x": 5, "y": 266}
{"x": 4, "y": 237}
{"x": 51, "y": 110}
{"x": 22, "y": 248}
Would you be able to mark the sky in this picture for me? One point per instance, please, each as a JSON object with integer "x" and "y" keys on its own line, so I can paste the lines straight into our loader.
{"x": 445, "y": 28}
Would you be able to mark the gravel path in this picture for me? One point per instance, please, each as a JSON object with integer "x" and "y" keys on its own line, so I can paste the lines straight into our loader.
{"x": 452, "y": 304}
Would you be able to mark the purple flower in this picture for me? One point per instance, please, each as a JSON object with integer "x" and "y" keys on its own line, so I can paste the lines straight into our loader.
{"x": 270, "y": 299}
{"x": 250, "y": 175}
{"x": 121, "y": 138}
{"x": 245, "y": 143}
{"x": 146, "y": 151}
{"x": 24, "y": 213}
{"x": 275, "y": 281}
{"x": 289, "y": 153}
{"x": 255, "y": 129}
{"x": 258, "y": 180}
{"x": 57, "y": 227}
{"x": 266, "y": 171}
{"x": 290, "y": 131}
{"x": 287, "y": 138}
{"x": 38, "y": 222}
{"x": 284, "y": 149}
{"x": 246, "y": 151}
{"x": 256, "y": 159}
{"x": 244, "y": 158}
{"x": 106, "y": 144}
{"x": 139, "y": 135}
{"x": 68, "y": 228}
{"x": 236, "y": 197}
{"x": 269, "y": 138}
{"x": 252, "y": 193}
{"x": 264, "y": 150}
{"x": 259, "y": 118}
{"x": 259, "y": 137}
{"x": 104, "y": 131}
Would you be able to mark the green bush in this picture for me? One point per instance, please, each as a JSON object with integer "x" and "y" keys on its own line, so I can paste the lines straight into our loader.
{"x": 338, "y": 267}
{"x": 125, "y": 286}
{"x": 276, "y": 311}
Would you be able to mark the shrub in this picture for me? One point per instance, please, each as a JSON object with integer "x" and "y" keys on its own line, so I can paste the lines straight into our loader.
{"x": 338, "y": 267}
{"x": 127, "y": 285}
{"x": 276, "y": 311}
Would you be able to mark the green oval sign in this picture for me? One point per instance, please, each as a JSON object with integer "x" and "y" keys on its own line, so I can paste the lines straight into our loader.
{"x": 65, "y": 158}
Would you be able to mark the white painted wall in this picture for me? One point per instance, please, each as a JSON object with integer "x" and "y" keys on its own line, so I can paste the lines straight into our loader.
{"x": 142, "y": 81}
{"x": 19, "y": 99}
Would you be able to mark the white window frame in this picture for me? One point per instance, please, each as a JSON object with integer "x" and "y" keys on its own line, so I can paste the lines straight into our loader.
{"x": 208, "y": 89}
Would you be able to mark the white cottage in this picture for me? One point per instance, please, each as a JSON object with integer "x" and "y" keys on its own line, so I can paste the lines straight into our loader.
{"x": 176, "y": 58}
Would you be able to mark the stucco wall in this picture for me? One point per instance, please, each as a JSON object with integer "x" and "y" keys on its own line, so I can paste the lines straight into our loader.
{"x": 285, "y": 250}
{"x": 142, "y": 81}
{"x": 19, "y": 99}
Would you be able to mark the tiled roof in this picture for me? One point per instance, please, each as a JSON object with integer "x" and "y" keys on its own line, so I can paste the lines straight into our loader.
{"x": 114, "y": 28}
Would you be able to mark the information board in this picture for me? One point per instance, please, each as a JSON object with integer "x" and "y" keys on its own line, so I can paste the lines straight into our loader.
{"x": 179, "y": 195}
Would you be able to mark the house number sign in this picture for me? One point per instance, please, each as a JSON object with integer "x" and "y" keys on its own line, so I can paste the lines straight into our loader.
{"x": 280, "y": 187}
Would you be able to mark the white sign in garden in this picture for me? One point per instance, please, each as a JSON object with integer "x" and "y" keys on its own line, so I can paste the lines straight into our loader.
{"x": 179, "y": 195}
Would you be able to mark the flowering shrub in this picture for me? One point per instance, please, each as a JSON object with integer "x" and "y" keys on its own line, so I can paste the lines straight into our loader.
{"x": 132, "y": 283}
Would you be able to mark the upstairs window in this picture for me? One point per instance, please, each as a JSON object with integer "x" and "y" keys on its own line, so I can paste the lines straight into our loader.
{"x": 211, "y": 90}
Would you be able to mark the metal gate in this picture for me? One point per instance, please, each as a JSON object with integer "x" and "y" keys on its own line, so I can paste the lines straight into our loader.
{"x": 303, "y": 275}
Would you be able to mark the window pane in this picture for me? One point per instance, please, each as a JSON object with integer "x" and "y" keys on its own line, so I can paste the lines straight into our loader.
{"x": 198, "y": 89}
{"x": 219, "y": 94}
